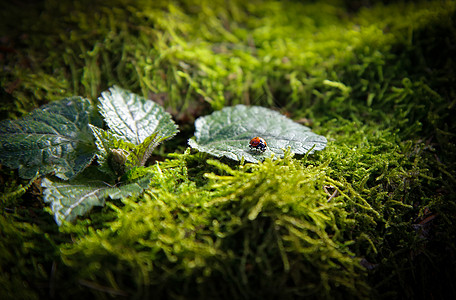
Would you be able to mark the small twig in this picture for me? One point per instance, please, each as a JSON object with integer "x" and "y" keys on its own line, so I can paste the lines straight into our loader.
{"x": 333, "y": 194}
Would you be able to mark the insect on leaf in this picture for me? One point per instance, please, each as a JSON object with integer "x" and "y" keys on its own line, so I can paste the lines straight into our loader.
{"x": 228, "y": 132}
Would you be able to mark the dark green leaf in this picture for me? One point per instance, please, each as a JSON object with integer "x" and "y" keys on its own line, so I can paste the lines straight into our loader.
{"x": 228, "y": 132}
{"x": 75, "y": 198}
{"x": 54, "y": 138}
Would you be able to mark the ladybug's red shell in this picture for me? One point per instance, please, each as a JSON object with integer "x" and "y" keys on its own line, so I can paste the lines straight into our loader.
{"x": 258, "y": 143}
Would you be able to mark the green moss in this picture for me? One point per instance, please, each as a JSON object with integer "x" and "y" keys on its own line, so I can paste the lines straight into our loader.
{"x": 180, "y": 240}
{"x": 26, "y": 253}
{"x": 377, "y": 81}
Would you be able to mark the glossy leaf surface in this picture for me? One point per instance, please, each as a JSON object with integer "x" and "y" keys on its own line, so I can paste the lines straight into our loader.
{"x": 228, "y": 132}
{"x": 54, "y": 138}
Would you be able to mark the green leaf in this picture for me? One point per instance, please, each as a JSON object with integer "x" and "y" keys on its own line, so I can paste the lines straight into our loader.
{"x": 112, "y": 151}
{"x": 116, "y": 156}
{"x": 133, "y": 117}
{"x": 54, "y": 138}
{"x": 138, "y": 157}
{"x": 228, "y": 132}
{"x": 75, "y": 198}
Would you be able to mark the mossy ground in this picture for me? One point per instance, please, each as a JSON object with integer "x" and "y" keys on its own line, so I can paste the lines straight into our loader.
{"x": 377, "y": 80}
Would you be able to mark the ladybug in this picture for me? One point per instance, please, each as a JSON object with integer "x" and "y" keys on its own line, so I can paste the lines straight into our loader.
{"x": 258, "y": 144}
